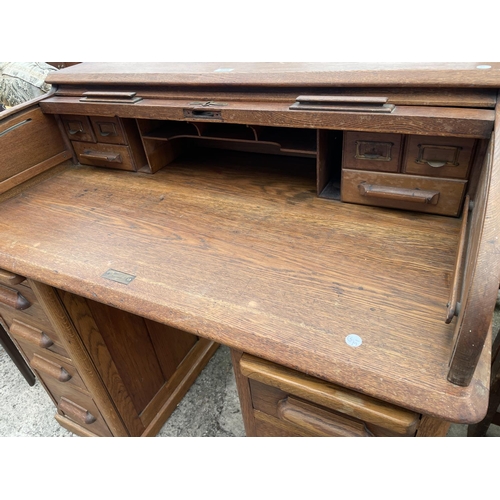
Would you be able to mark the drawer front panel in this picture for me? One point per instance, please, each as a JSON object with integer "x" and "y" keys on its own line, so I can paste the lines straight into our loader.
{"x": 108, "y": 130}
{"x": 438, "y": 156}
{"x": 78, "y": 407}
{"x": 78, "y": 128}
{"x": 9, "y": 279}
{"x": 303, "y": 417}
{"x": 45, "y": 340}
{"x": 31, "y": 324}
{"x": 105, "y": 155}
{"x": 319, "y": 408}
{"x": 406, "y": 192}
{"x": 51, "y": 367}
{"x": 372, "y": 151}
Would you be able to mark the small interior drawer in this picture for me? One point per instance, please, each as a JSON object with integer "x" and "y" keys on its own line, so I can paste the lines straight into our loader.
{"x": 438, "y": 156}
{"x": 78, "y": 128}
{"x": 372, "y": 151}
{"x": 108, "y": 130}
{"x": 105, "y": 155}
{"x": 406, "y": 192}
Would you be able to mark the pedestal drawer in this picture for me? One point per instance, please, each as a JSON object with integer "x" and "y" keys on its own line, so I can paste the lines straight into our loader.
{"x": 286, "y": 402}
{"x": 51, "y": 366}
{"x": 30, "y": 324}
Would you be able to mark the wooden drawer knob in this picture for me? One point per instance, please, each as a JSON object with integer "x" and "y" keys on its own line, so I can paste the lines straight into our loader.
{"x": 50, "y": 368}
{"x": 75, "y": 412}
{"x": 12, "y": 298}
{"x": 31, "y": 334}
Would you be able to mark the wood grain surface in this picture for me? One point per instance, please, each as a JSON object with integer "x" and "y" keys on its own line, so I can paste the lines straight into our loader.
{"x": 420, "y": 120}
{"x": 238, "y": 248}
{"x": 282, "y": 74}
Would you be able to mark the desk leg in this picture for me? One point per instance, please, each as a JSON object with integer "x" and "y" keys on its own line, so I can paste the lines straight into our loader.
{"x": 244, "y": 395}
{"x": 432, "y": 427}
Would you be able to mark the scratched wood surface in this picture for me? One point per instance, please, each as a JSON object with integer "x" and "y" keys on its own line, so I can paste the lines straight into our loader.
{"x": 398, "y": 74}
{"x": 420, "y": 120}
{"x": 237, "y": 248}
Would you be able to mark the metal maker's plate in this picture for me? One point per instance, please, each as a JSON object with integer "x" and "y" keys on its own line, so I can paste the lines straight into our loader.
{"x": 118, "y": 276}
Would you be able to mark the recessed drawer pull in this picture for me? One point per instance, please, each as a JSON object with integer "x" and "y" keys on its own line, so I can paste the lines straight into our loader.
{"x": 319, "y": 421}
{"x": 50, "y": 368}
{"x": 75, "y": 412}
{"x": 12, "y": 298}
{"x": 397, "y": 193}
{"x": 109, "y": 157}
{"x": 31, "y": 334}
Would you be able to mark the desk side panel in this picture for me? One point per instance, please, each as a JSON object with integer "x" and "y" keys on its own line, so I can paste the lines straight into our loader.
{"x": 30, "y": 143}
{"x": 482, "y": 271}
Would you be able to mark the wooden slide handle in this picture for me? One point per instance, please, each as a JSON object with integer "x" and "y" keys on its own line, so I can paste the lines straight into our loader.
{"x": 31, "y": 334}
{"x": 50, "y": 368}
{"x": 317, "y": 421}
{"x": 75, "y": 412}
{"x": 398, "y": 194}
{"x": 12, "y": 298}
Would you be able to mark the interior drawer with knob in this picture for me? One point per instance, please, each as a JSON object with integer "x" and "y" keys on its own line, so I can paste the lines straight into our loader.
{"x": 372, "y": 151}
{"x": 108, "y": 129}
{"x": 406, "y": 192}
{"x": 78, "y": 128}
{"x": 449, "y": 157}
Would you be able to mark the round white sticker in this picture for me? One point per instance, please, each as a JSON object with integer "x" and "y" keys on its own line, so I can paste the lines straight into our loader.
{"x": 353, "y": 340}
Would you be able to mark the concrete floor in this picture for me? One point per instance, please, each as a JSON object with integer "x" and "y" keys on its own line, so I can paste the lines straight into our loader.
{"x": 210, "y": 408}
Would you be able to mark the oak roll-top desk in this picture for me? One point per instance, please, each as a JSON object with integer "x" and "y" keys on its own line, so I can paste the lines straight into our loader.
{"x": 335, "y": 225}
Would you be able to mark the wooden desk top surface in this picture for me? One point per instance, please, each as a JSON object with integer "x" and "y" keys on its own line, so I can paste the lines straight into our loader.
{"x": 468, "y": 74}
{"x": 254, "y": 260}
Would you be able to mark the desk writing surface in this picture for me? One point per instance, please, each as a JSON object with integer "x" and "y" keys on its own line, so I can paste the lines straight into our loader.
{"x": 244, "y": 253}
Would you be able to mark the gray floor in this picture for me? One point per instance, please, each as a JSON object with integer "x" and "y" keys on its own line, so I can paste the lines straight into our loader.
{"x": 211, "y": 407}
